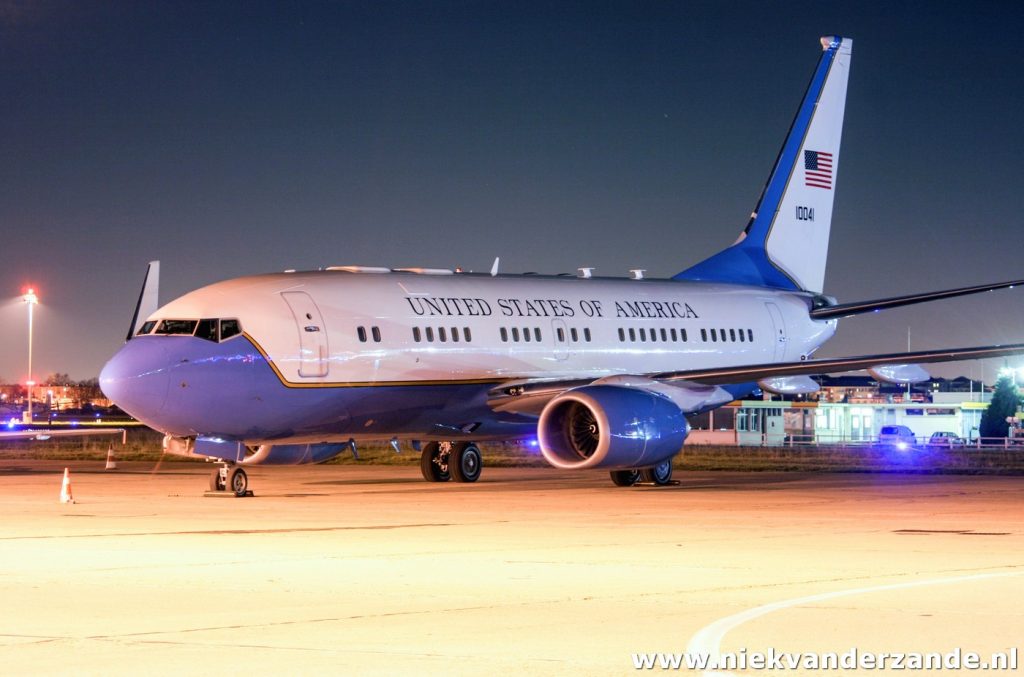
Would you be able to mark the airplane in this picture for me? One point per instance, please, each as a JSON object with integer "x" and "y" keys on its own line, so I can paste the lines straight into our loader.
{"x": 299, "y": 367}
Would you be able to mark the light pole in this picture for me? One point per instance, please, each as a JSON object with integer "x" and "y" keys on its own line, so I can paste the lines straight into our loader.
{"x": 31, "y": 299}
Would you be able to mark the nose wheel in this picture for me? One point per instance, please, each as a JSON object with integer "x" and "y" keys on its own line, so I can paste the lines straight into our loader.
{"x": 228, "y": 478}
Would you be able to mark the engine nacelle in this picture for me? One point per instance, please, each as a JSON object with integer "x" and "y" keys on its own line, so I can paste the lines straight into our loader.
{"x": 608, "y": 426}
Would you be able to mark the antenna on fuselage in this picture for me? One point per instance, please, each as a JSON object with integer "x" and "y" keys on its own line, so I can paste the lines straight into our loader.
{"x": 494, "y": 268}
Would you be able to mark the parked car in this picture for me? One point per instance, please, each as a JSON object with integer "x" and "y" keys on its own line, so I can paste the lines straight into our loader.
{"x": 945, "y": 440}
{"x": 899, "y": 436}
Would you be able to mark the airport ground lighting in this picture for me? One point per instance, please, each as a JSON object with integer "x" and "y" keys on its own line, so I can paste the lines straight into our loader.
{"x": 31, "y": 300}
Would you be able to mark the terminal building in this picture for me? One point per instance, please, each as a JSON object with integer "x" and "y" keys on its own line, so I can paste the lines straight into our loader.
{"x": 848, "y": 409}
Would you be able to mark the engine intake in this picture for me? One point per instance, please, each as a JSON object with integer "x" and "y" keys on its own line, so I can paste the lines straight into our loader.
{"x": 606, "y": 426}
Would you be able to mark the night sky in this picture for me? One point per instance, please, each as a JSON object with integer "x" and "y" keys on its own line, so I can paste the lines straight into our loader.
{"x": 234, "y": 138}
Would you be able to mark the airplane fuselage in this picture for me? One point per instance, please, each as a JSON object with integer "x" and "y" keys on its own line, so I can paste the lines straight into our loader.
{"x": 335, "y": 354}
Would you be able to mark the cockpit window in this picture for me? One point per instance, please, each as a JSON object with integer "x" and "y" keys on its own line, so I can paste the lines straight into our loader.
{"x": 207, "y": 330}
{"x": 229, "y": 328}
{"x": 186, "y": 327}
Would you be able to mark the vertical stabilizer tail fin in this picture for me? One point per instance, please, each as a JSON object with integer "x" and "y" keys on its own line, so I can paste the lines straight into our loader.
{"x": 785, "y": 244}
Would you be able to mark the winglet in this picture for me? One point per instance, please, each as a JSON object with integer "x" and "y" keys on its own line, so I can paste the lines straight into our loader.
{"x": 148, "y": 298}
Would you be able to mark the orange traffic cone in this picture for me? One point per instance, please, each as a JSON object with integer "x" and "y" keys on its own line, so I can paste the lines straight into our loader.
{"x": 111, "y": 463}
{"x": 65, "y": 488}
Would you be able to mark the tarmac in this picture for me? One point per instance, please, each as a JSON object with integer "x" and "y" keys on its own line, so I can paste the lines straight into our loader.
{"x": 371, "y": 570}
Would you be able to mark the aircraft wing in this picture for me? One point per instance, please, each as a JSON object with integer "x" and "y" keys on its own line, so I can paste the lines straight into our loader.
{"x": 61, "y": 432}
{"x": 530, "y": 396}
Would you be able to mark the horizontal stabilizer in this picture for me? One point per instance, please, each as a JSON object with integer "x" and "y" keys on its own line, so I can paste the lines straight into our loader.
{"x": 860, "y": 307}
{"x": 838, "y": 365}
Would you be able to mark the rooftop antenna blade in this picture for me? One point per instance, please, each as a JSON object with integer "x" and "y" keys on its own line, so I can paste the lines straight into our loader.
{"x": 494, "y": 268}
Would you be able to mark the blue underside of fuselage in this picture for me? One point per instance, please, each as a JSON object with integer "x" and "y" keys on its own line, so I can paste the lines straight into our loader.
{"x": 184, "y": 386}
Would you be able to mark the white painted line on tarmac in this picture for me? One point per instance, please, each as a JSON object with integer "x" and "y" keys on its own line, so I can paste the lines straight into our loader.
{"x": 708, "y": 639}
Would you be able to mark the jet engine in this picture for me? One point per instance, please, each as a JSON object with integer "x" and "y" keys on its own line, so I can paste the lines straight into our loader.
{"x": 610, "y": 426}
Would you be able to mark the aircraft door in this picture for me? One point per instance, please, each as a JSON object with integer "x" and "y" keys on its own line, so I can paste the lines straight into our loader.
{"x": 778, "y": 331}
{"x": 560, "y": 335}
{"x": 313, "y": 351}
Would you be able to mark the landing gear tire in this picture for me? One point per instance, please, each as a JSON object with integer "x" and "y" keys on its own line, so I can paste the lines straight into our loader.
{"x": 434, "y": 463}
{"x": 216, "y": 481}
{"x": 658, "y": 475}
{"x": 465, "y": 462}
{"x": 625, "y": 478}
{"x": 238, "y": 482}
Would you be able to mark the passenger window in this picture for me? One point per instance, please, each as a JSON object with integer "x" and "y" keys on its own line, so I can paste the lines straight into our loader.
{"x": 146, "y": 328}
{"x": 576, "y": 337}
{"x": 703, "y": 334}
{"x": 675, "y": 337}
{"x": 515, "y": 334}
{"x": 536, "y": 333}
{"x": 632, "y": 334}
{"x": 750, "y": 335}
{"x": 643, "y": 334}
{"x": 466, "y": 334}
{"x": 361, "y": 331}
{"x": 622, "y": 334}
{"x": 376, "y": 334}
{"x": 430, "y": 334}
{"x": 504, "y": 334}
{"x": 664, "y": 335}
{"x": 441, "y": 335}
{"x": 732, "y": 335}
{"x": 526, "y": 333}
{"x": 722, "y": 331}
{"x": 455, "y": 334}
{"x": 741, "y": 336}
{"x": 714, "y": 335}
{"x": 561, "y": 335}
{"x": 229, "y": 328}
{"x": 682, "y": 332}
{"x": 177, "y": 327}
{"x": 416, "y": 334}
{"x": 586, "y": 334}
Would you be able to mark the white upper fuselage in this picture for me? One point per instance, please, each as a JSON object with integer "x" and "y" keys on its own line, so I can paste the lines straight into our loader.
{"x": 337, "y": 327}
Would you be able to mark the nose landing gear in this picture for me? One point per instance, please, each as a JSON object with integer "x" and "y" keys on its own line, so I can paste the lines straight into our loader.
{"x": 229, "y": 479}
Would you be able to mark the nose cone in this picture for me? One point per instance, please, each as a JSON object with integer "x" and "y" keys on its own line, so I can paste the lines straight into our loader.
{"x": 137, "y": 378}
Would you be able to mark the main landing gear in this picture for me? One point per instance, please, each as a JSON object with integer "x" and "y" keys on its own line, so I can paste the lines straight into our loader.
{"x": 229, "y": 477}
{"x": 659, "y": 475}
{"x": 443, "y": 461}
